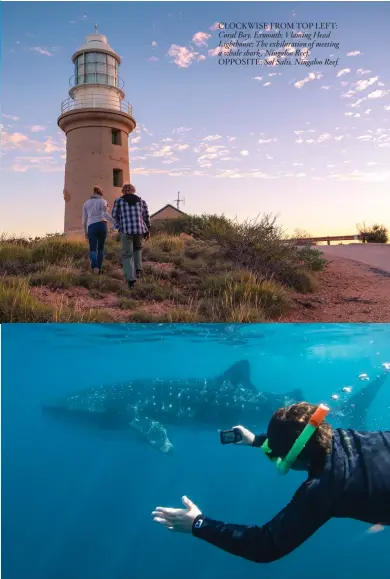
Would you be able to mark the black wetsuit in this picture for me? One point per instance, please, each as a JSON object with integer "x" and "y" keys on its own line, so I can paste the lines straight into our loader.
{"x": 354, "y": 484}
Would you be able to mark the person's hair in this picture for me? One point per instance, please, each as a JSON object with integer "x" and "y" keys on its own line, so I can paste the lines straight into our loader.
{"x": 98, "y": 190}
{"x": 287, "y": 424}
{"x": 128, "y": 188}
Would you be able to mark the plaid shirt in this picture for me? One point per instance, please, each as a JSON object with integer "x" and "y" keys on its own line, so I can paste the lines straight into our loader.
{"x": 131, "y": 219}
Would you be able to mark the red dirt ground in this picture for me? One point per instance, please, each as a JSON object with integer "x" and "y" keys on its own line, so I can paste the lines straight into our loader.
{"x": 348, "y": 291}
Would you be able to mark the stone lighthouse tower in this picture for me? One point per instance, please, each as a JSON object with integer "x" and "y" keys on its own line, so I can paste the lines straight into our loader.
{"x": 97, "y": 122}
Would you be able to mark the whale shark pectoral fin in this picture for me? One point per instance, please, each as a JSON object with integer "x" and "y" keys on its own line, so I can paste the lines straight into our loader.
{"x": 153, "y": 432}
{"x": 238, "y": 375}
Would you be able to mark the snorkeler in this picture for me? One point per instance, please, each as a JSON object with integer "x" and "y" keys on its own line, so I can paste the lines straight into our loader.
{"x": 348, "y": 477}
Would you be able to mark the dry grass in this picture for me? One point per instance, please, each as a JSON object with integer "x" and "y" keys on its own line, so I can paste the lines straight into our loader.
{"x": 231, "y": 276}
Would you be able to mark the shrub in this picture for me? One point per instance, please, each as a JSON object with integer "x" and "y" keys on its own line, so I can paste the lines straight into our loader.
{"x": 312, "y": 258}
{"x": 375, "y": 234}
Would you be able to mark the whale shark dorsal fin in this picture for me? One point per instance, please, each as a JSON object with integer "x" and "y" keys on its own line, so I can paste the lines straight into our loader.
{"x": 238, "y": 375}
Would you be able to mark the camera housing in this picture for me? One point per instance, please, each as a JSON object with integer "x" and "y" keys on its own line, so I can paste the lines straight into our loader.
{"x": 230, "y": 436}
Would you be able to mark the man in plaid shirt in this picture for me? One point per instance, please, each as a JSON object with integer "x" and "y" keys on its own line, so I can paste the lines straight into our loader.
{"x": 132, "y": 217}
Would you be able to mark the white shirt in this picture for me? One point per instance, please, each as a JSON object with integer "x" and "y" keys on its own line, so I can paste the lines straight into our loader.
{"x": 95, "y": 211}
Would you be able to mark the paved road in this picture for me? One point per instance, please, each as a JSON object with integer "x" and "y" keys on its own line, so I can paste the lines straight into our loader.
{"x": 375, "y": 255}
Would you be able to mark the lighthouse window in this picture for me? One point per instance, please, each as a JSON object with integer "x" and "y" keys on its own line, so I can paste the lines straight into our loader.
{"x": 117, "y": 177}
{"x": 116, "y": 137}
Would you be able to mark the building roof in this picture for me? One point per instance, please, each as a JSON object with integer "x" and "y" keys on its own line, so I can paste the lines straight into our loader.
{"x": 166, "y": 207}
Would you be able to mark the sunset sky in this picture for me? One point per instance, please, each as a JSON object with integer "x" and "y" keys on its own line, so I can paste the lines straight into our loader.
{"x": 311, "y": 144}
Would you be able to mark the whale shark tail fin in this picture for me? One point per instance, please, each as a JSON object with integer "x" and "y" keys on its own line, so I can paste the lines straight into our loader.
{"x": 239, "y": 375}
{"x": 356, "y": 408}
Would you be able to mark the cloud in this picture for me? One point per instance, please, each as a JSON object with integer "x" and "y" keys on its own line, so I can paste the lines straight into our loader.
{"x": 182, "y": 56}
{"x": 257, "y": 78}
{"x": 212, "y": 138}
{"x": 45, "y": 164}
{"x": 387, "y": 107}
{"x": 153, "y": 59}
{"x": 323, "y": 137}
{"x": 41, "y": 50}
{"x": 216, "y": 26}
{"x": 11, "y": 117}
{"x": 37, "y": 128}
{"x": 378, "y": 177}
{"x": 354, "y": 53}
{"x": 49, "y": 146}
{"x": 200, "y": 38}
{"x": 363, "y": 84}
{"x": 264, "y": 141}
{"x": 343, "y": 71}
{"x": 325, "y": 87}
{"x": 311, "y": 76}
{"x": 235, "y": 174}
{"x": 267, "y": 84}
{"x": 244, "y": 153}
{"x": 361, "y": 71}
{"x": 154, "y": 43}
{"x": 13, "y": 140}
{"x": 377, "y": 94}
{"x": 201, "y": 57}
{"x": 181, "y": 130}
{"x": 215, "y": 51}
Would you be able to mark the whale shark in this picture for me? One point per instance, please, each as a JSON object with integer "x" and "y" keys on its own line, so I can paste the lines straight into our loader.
{"x": 150, "y": 406}
{"x": 352, "y": 411}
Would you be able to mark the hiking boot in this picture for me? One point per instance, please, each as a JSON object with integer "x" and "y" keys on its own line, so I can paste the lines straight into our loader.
{"x": 96, "y": 270}
{"x": 131, "y": 284}
{"x": 138, "y": 273}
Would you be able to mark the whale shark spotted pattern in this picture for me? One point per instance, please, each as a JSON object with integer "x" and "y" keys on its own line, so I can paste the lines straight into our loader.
{"x": 149, "y": 406}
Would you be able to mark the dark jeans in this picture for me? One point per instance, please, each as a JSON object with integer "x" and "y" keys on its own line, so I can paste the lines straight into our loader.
{"x": 97, "y": 233}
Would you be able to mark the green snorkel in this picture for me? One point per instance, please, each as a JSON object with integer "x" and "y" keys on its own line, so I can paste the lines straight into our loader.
{"x": 284, "y": 464}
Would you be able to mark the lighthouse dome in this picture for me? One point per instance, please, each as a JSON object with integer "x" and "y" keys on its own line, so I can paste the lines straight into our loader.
{"x": 96, "y": 43}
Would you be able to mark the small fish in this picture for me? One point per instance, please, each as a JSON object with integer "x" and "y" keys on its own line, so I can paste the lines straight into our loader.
{"x": 386, "y": 365}
{"x": 376, "y": 529}
{"x": 347, "y": 389}
{"x": 363, "y": 377}
{"x": 335, "y": 396}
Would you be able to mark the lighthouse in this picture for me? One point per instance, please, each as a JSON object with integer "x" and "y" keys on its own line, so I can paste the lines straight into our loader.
{"x": 97, "y": 122}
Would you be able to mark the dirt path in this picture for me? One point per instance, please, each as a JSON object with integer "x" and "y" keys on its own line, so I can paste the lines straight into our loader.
{"x": 349, "y": 291}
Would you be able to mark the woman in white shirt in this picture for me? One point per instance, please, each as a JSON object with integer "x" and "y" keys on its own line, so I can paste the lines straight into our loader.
{"x": 95, "y": 217}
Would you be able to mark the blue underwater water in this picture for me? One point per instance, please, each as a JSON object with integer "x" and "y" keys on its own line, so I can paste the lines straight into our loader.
{"x": 77, "y": 502}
